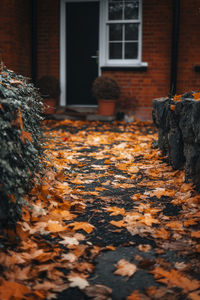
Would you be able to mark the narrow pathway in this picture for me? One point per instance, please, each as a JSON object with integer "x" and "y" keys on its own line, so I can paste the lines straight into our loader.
{"x": 112, "y": 219}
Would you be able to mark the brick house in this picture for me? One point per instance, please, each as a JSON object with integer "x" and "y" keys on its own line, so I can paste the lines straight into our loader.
{"x": 151, "y": 48}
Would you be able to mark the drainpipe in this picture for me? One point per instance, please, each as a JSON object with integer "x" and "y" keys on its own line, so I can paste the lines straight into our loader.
{"x": 174, "y": 49}
{"x": 34, "y": 40}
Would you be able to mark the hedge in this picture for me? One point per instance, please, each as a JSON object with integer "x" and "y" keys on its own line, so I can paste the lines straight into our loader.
{"x": 20, "y": 142}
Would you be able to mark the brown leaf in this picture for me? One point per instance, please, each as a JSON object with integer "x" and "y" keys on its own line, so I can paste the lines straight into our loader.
{"x": 13, "y": 290}
{"x": 174, "y": 278}
{"x": 195, "y": 234}
{"x": 162, "y": 234}
{"x": 176, "y": 225}
{"x": 98, "y": 292}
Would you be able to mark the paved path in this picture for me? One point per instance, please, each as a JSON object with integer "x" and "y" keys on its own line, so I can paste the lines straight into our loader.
{"x": 110, "y": 219}
{"x": 141, "y": 210}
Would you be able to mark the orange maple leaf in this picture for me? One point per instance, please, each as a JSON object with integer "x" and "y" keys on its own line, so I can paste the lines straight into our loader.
{"x": 118, "y": 223}
{"x": 162, "y": 234}
{"x": 115, "y": 211}
{"x": 87, "y": 227}
{"x": 54, "y": 226}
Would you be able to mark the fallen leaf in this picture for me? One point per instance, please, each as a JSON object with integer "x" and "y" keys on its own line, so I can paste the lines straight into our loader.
{"x": 77, "y": 281}
{"x": 115, "y": 211}
{"x": 13, "y": 290}
{"x": 174, "y": 278}
{"x": 195, "y": 234}
{"x": 69, "y": 241}
{"x": 98, "y": 292}
{"x": 194, "y": 295}
{"x": 55, "y": 226}
{"x": 144, "y": 247}
{"x": 125, "y": 268}
{"x": 161, "y": 234}
{"x": 136, "y": 295}
{"x": 87, "y": 227}
{"x": 118, "y": 223}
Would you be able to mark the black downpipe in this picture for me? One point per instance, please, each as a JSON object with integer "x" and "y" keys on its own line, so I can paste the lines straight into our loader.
{"x": 174, "y": 49}
{"x": 34, "y": 40}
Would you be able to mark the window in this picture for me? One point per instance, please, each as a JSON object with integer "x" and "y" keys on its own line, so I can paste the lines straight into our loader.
{"x": 122, "y": 32}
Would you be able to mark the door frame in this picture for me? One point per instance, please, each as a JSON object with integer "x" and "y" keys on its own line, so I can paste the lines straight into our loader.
{"x": 63, "y": 50}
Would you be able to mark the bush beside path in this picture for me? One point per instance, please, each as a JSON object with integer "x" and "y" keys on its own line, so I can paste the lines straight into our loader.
{"x": 20, "y": 143}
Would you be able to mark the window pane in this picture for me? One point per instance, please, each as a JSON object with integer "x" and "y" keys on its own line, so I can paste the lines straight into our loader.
{"x": 131, "y": 10}
{"x": 115, "y": 10}
{"x": 131, "y": 32}
{"x": 115, "y": 32}
{"x": 115, "y": 51}
{"x": 131, "y": 50}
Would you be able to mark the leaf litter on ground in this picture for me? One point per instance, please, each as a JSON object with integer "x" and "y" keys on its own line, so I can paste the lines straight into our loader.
{"x": 102, "y": 182}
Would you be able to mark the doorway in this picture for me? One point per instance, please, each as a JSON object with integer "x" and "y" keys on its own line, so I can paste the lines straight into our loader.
{"x": 81, "y": 57}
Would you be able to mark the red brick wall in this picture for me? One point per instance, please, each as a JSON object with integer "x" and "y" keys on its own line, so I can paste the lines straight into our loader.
{"x": 15, "y": 35}
{"x": 155, "y": 82}
{"x": 15, "y": 41}
{"x": 48, "y": 37}
{"x": 189, "y": 46}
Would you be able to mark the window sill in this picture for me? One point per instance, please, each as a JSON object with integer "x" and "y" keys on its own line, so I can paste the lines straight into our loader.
{"x": 139, "y": 67}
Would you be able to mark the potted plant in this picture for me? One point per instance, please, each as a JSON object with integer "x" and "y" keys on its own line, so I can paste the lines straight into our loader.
{"x": 50, "y": 90}
{"x": 106, "y": 91}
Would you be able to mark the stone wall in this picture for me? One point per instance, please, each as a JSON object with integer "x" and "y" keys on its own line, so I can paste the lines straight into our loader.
{"x": 178, "y": 124}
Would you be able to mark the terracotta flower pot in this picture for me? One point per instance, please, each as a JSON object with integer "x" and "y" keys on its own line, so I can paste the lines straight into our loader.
{"x": 106, "y": 107}
{"x": 49, "y": 106}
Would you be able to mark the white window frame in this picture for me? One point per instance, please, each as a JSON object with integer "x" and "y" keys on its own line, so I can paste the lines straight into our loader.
{"x": 104, "y": 42}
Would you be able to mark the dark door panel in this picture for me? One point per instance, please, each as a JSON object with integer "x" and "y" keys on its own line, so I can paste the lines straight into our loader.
{"x": 82, "y": 43}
